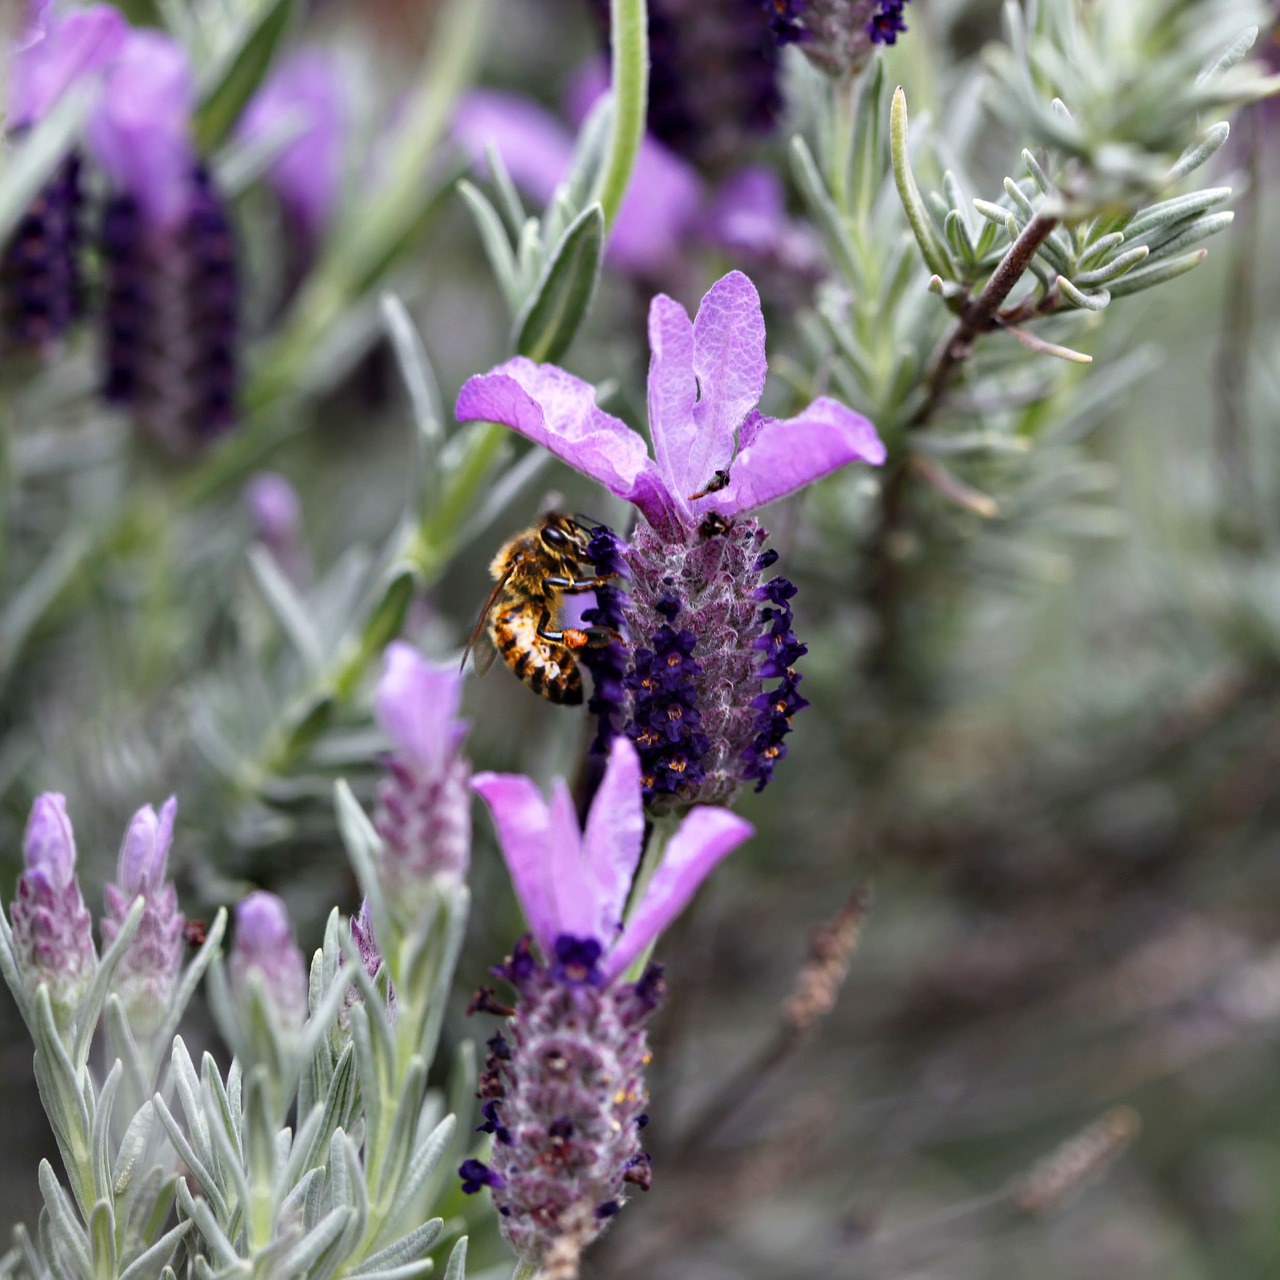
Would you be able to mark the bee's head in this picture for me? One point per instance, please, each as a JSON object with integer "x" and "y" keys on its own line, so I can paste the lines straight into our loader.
{"x": 563, "y": 535}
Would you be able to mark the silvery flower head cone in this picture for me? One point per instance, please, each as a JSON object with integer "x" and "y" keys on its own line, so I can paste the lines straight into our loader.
{"x": 52, "y": 929}
{"x": 424, "y": 802}
{"x": 171, "y": 300}
{"x": 40, "y": 280}
{"x": 563, "y": 1088}
{"x": 837, "y": 36}
{"x": 148, "y": 971}
{"x": 708, "y": 679}
{"x": 266, "y": 957}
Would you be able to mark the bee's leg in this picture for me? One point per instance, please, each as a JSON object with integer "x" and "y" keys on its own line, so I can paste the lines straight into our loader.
{"x": 576, "y": 637}
{"x": 573, "y": 585}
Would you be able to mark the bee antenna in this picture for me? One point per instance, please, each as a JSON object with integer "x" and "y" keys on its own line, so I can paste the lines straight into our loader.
{"x": 587, "y": 520}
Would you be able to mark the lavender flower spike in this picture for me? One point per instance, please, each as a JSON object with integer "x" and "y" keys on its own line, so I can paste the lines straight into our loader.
{"x": 265, "y": 955}
{"x": 52, "y": 930}
{"x": 424, "y": 803}
{"x": 171, "y": 287}
{"x": 705, "y": 631}
{"x": 148, "y": 971}
{"x": 564, "y": 1097}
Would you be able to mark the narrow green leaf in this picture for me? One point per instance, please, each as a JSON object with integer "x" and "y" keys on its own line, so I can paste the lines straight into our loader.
{"x": 457, "y": 1267}
{"x": 550, "y": 317}
{"x": 70, "y": 1234}
{"x": 286, "y": 604}
{"x": 1086, "y": 301}
{"x": 1233, "y": 54}
{"x": 240, "y": 73}
{"x": 424, "y": 1162}
{"x": 823, "y": 210}
{"x": 493, "y": 238}
{"x": 931, "y": 246}
{"x": 1167, "y": 211}
{"x": 868, "y": 144}
{"x": 1114, "y": 269}
{"x": 1158, "y": 273}
{"x": 102, "y": 1237}
{"x": 152, "y": 1264}
{"x": 1196, "y": 155}
{"x": 513, "y": 211}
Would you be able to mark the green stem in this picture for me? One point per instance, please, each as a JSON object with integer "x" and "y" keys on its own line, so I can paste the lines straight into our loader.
{"x": 844, "y": 118}
{"x": 630, "y": 70}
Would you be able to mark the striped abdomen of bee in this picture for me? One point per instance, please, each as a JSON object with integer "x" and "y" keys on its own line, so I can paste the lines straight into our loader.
{"x": 546, "y": 666}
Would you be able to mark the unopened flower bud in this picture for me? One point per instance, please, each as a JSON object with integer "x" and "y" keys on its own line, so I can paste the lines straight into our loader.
{"x": 264, "y": 947}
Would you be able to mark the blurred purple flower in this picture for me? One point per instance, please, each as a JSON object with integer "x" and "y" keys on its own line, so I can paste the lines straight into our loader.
{"x": 148, "y": 971}
{"x": 52, "y": 929}
{"x": 40, "y": 283}
{"x": 565, "y": 1097}
{"x": 424, "y": 804}
{"x": 171, "y": 286}
{"x": 302, "y": 101}
{"x": 698, "y": 708}
{"x": 275, "y": 511}
{"x": 266, "y": 954}
{"x": 573, "y": 884}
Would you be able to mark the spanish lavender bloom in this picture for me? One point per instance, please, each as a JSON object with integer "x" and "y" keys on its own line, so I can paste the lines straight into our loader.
{"x": 148, "y": 971}
{"x": 564, "y": 1096}
{"x": 52, "y": 930}
{"x": 837, "y": 36}
{"x": 266, "y": 955}
{"x": 706, "y": 630}
{"x": 302, "y": 102}
{"x": 424, "y": 802}
{"x": 713, "y": 79}
{"x": 275, "y": 511}
{"x": 171, "y": 289}
{"x": 40, "y": 284}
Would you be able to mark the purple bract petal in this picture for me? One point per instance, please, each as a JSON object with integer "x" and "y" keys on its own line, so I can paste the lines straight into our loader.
{"x": 303, "y": 98}
{"x": 58, "y": 53}
{"x": 673, "y": 393}
{"x": 614, "y": 837}
{"x": 705, "y": 837}
{"x": 524, "y": 824}
{"x": 144, "y": 852}
{"x": 417, "y": 704}
{"x": 558, "y": 411}
{"x": 566, "y": 868}
{"x": 49, "y": 845}
{"x": 141, "y": 132}
{"x": 786, "y": 454}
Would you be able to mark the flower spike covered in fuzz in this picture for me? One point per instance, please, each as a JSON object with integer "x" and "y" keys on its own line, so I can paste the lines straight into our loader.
{"x": 707, "y": 634}
{"x": 837, "y": 36}
{"x": 52, "y": 929}
{"x": 563, "y": 1086}
{"x": 265, "y": 953}
{"x": 40, "y": 282}
{"x": 171, "y": 287}
{"x": 148, "y": 970}
{"x": 424, "y": 802}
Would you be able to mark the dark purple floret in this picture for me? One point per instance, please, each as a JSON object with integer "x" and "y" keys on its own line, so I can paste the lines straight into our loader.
{"x": 607, "y": 663}
{"x": 476, "y": 1174}
{"x": 838, "y": 36}
{"x": 171, "y": 317}
{"x": 774, "y": 707}
{"x": 886, "y": 25}
{"x": 40, "y": 270}
{"x": 784, "y": 20}
{"x": 577, "y": 961}
{"x": 492, "y": 1122}
{"x": 714, "y": 70}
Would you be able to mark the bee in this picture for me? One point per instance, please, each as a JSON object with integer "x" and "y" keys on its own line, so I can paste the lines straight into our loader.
{"x": 532, "y": 573}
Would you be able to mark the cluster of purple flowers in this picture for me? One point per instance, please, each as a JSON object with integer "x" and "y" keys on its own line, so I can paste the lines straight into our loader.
{"x": 837, "y": 35}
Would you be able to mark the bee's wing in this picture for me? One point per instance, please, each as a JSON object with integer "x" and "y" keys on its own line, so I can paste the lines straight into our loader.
{"x": 485, "y": 654}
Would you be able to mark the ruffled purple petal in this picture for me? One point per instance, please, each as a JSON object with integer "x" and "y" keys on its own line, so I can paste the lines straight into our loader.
{"x": 533, "y": 145}
{"x": 573, "y": 887}
{"x": 703, "y": 839}
{"x": 786, "y": 454}
{"x": 304, "y": 99}
{"x": 141, "y": 132}
{"x": 417, "y": 704}
{"x": 729, "y": 361}
{"x": 524, "y": 833}
{"x": 614, "y": 837}
{"x": 58, "y": 53}
{"x": 558, "y": 411}
{"x": 673, "y": 393}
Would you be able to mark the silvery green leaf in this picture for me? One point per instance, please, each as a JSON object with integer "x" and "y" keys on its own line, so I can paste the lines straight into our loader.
{"x": 1094, "y": 301}
{"x": 1099, "y": 248}
{"x": 287, "y": 605}
{"x": 529, "y": 256}
{"x": 59, "y": 1085}
{"x": 240, "y": 71}
{"x": 90, "y": 1007}
{"x": 310, "y": 1251}
{"x": 375, "y": 1006}
{"x": 1038, "y": 174}
{"x": 841, "y": 337}
{"x": 9, "y": 969}
{"x": 1158, "y": 273}
{"x": 868, "y": 144}
{"x": 1181, "y": 235}
{"x": 31, "y": 162}
{"x": 822, "y": 209}
{"x": 366, "y": 1062}
{"x": 409, "y": 1271}
{"x": 556, "y": 218}
{"x": 195, "y": 1166}
{"x": 300, "y": 1189}
{"x": 551, "y": 315}
{"x": 152, "y": 1264}
{"x": 122, "y": 1045}
{"x": 513, "y": 210}
{"x": 219, "y": 1105}
{"x": 207, "y": 1225}
{"x": 1169, "y": 211}
{"x": 418, "y": 374}
{"x": 995, "y": 212}
{"x": 957, "y": 233}
{"x": 900, "y": 270}
{"x": 457, "y": 1267}
{"x": 101, "y": 1133}
{"x": 462, "y": 1082}
{"x": 70, "y": 1233}
{"x": 1112, "y": 270}
{"x": 493, "y": 238}
{"x": 399, "y": 1149}
{"x": 424, "y": 1162}
{"x": 1197, "y": 154}
{"x": 102, "y": 1238}
{"x": 187, "y": 1084}
{"x": 133, "y": 1147}
{"x": 589, "y": 152}
{"x": 1233, "y": 54}
{"x": 226, "y": 1158}
{"x": 341, "y": 1101}
{"x": 1020, "y": 199}
{"x": 364, "y": 849}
